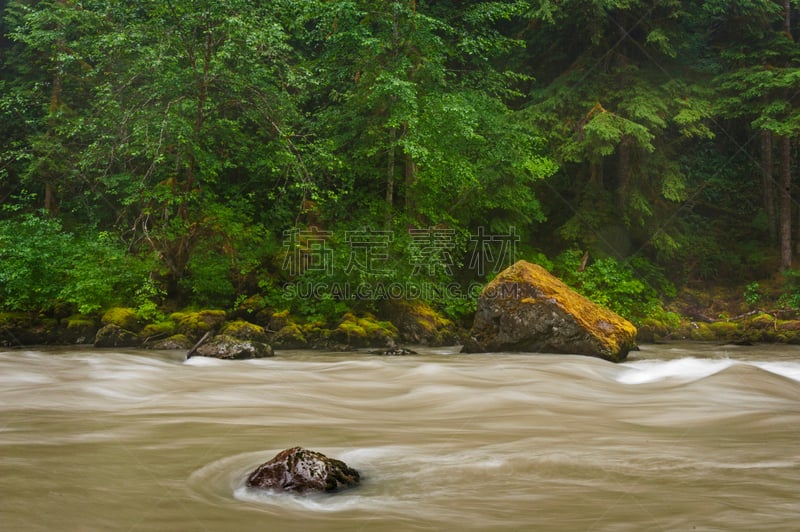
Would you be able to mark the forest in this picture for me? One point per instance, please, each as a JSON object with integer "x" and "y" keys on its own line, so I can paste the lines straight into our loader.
{"x": 320, "y": 157}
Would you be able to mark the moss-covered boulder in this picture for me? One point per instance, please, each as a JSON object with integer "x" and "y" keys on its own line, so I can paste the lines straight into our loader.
{"x": 195, "y": 324}
{"x": 174, "y": 342}
{"x": 122, "y": 317}
{"x": 112, "y": 335}
{"x": 78, "y": 329}
{"x": 244, "y": 330}
{"x": 290, "y": 336}
{"x": 525, "y": 308}
{"x": 158, "y": 331}
{"x": 364, "y": 331}
{"x": 228, "y": 347}
{"x": 299, "y": 470}
{"x": 418, "y": 323}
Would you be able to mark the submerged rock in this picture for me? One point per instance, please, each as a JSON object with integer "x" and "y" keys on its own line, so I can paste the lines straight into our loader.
{"x": 393, "y": 351}
{"x": 299, "y": 470}
{"x": 228, "y": 347}
{"x": 525, "y": 308}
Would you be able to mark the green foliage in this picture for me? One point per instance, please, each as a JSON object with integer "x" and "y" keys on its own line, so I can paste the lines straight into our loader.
{"x": 629, "y": 288}
{"x": 753, "y": 294}
{"x": 41, "y": 264}
{"x": 790, "y": 291}
{"x": 172, "y": 144}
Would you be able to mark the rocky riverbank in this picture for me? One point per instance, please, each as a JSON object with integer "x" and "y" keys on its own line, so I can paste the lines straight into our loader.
{"x": 398, "y": 322}
{"x": 411, "y": 323}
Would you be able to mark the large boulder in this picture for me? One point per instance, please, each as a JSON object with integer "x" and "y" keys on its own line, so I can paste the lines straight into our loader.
{"x": 113, "y": 335}
{"x": 228, "y": 347}
{"x": 299, "y": 470}
{"x": 525, "y": 308}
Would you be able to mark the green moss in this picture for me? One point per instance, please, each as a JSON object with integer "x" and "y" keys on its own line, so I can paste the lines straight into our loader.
{"x": 613, "y": 334}
{"x": 244, "y": 330}
{"x": 281, "y": 314}
{"x": 364, "y": 331}
{"x": 14, "y": 319}
{"x": 290, "y": 336}
{"x": 78, "y": 321}
{"x": 315, "y": 331}
{"x": 121, "y": 317}
{"x": 162, "y": 328}
{"x": 427, "y": 318}
{"x": 726, "y": 330}
{"x": 352, "y": 330}
{"x": 788, "y": 325}
{"x": 279, "y": 320}
{"x": 196, "y": 324}
{"x": 702, "y": 332}
{"x": 762, "y": 321}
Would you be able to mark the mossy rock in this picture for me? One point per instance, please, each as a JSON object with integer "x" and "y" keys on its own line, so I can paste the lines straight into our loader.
{"x": 78, "y": 321}
{"x": 726, "y": 331}
{"x": 195, "y": 324}
{"x": 316, "y": 333}
{"x": 244, "y": 330}
{"x": 15, "y": 319}
{"x": 161, "y": 329}
{"x": 702, "y": 332}
{"x": 18, "y": 329}
{"x": 254, "y": 309}
{"x": 762, "y": 322}
{"x": 652, "y": 330}
{"x": 417, "y": 322}
{"x": 279, "y": 320}
{"x": 290, "y": 336}
{"x": 176, "y": 342}
{"x": 77, "y": 329}
{"x": 525, "y": 308}
{"x": 790, "y": 330}
{"x": 122, "y": 317}
{"x": 789, "y": 326}
{"x": 228, "y": 347}
{"x": 113, "y": 335}
{"x": 364, "y": 331}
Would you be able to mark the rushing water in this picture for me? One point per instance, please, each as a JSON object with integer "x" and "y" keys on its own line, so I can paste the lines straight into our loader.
{"x": 682, "y": 437}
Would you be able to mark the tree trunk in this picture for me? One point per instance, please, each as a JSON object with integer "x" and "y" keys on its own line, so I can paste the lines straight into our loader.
{"x": 390, "y": 171}
{"x": 786, "y": 203}
{"x": 787, "y": 18}
{"x": 768, "y": 185}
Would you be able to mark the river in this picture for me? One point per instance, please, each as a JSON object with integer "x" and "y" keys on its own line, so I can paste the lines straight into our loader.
{"x": 680, "y": 437}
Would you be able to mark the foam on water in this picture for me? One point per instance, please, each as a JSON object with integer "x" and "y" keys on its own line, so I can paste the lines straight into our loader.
{"x": 691, "y": 369}
{"x": 682, "y": 370}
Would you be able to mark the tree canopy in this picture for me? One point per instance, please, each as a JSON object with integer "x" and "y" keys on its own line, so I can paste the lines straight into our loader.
{"x": 163, "y": 153}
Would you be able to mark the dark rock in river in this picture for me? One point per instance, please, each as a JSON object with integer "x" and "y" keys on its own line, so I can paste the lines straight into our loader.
{"x": 115, "y": 336}
{"x": 525, "y": 308}
{"x": 393, "y": 351}
{"x": 228, "y": 347}
{"x": 299, "y": 470}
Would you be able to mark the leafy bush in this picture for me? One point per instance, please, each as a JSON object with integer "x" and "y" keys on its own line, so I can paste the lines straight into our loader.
{"x": 629, "y": 288}
{"x": 41, "y": 265}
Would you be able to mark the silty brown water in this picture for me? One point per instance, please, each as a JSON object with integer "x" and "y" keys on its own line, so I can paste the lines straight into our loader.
{"x": 682, "y": 437}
